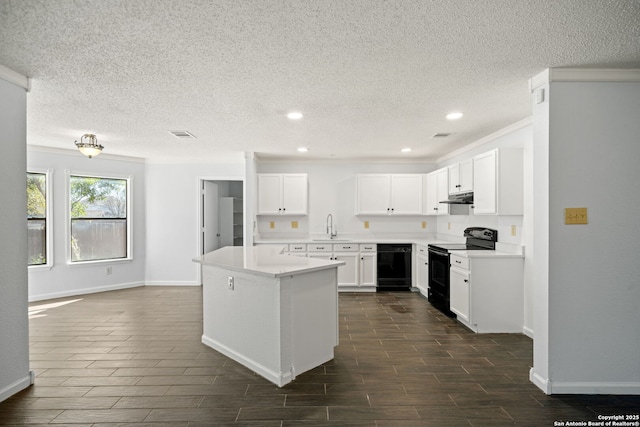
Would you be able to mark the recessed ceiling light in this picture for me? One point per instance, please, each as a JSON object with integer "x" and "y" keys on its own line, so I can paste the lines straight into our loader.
{"x": 441, "y": 135}
{"x": 182, "y": 134}
{"x": 406, "y": 150}
{"x": 294, "y": 115}
{"x": 302, "y": 149}
{"x": 454, "y": 116}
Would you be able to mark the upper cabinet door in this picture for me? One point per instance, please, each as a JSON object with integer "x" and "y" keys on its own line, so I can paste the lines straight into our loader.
{"x": 269, "y": 194}
{"x": 282, "y": 194}
{"x": 461, "y": 177}
{"x": 466, "y": 176}
{"x": 372, "y": 194}
{"x": 294, "y": 194}
{"x": 484, "y": 178}
{"x": 442, "y": 190}
{"x": 406, "y": 194}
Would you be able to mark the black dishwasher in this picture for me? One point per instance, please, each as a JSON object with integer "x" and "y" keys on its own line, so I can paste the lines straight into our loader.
{"x": 394, "y": 267}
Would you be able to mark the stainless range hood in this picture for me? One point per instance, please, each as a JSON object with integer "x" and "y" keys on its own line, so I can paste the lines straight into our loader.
{"x": 459, "y": 199}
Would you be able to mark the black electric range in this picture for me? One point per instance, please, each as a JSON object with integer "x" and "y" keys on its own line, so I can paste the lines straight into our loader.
{"x": 478, "y": 238}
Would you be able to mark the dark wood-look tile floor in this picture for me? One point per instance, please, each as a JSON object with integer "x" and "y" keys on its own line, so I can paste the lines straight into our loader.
{"x": 134, "y": 357}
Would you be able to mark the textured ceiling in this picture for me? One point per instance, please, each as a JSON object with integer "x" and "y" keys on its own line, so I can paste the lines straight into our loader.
{"x": 370, "y": 76}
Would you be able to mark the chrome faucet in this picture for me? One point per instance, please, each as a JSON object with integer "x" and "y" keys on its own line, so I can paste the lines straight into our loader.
{"x": 330, "y": 231}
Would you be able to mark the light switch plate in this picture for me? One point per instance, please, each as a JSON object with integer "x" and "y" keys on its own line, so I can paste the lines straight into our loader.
{"x": 272, "y": 224}
{"x": 424, "y": 224}
{"x": 294, "y": 224}
{"x": 575, "y": 216}
{"x": 366, "y": 225}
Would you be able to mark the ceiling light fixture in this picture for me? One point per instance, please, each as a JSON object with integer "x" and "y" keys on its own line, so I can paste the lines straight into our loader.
{"x": 302, "y": 149}
{"x": 88, "y": 145}
{"x": 406, "y": 150}
{"x": 294, "y": 115}
{"x": 454, "y": 116}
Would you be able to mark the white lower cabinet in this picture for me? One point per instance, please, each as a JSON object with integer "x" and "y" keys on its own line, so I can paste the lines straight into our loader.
{"x": 368, "y": 266}
{"x": 459, "y": 294}
{"x": 360, "y": 270}
{"x": 422, "y": 269}
{"x": 486, "y": 293}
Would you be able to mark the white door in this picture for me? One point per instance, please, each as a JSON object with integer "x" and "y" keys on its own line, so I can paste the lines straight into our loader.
{"x": 368, "y": 264}
{"x": 294, "y": 194}
{"x": 210, "y": 228}
{"x": 348, "y": 273}
{"x": 373, "y": 194}
{"x": 269, "y": 194}
{"x": 406, "y": 194}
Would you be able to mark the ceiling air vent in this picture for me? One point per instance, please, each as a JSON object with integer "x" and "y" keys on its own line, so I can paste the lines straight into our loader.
{"x": 441, "y": 135}
{"x": 182, "y": 134}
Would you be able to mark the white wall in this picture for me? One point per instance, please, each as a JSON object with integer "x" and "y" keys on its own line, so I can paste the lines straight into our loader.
{"x": 14, "y": 324}
{"x": 172, "y": 221}
{"x": 64, "y": 279}
{"x": 332, "y": 190}
{"x": 592, "y": 343}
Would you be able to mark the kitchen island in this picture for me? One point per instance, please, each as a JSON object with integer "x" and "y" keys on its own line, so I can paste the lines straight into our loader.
{"x": 275, "y": 314}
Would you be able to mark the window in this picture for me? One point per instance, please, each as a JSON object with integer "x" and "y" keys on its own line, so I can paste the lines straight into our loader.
{"x": 37, "y": 218}
{"x": 98, "y": 215}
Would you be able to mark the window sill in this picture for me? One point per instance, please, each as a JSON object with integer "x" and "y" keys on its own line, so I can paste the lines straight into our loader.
{"x": 41, "y": 267}
{"x": 101, "y": 262}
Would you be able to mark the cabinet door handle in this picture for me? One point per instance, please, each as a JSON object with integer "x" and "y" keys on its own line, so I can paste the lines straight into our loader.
{"x": 466, "y": 281}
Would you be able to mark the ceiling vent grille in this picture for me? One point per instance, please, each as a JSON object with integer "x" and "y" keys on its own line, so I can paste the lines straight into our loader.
{"x": 182, "y": 134}
{"x": 441, "y": 135}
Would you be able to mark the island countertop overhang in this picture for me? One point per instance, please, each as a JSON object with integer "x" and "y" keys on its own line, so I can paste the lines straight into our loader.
{"x": 264, "y": 261}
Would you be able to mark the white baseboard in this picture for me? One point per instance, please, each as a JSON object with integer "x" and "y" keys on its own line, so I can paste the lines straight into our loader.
{"x": 583, "y": 387}
{"x": 539, "y": 381}
{"x": 527, "y": 331}
{"x": 18, "y": 386}
{"x": 171, "y": 283}
{"x": 278, "y": 378}
{"x": 84, "y": 291}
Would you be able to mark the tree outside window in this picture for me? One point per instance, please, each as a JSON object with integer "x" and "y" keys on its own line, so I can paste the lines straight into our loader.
{"x": 37, "y": 218}
{"x": 98, "y": 209}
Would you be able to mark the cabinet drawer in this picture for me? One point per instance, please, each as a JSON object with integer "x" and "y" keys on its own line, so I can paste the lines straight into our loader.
{"x": 368, "y": 247}
{"x": 319, "y": 247}
{"x": 297, "y": 247}
{"x": 460, "y": 262}
{"x": 345, "y": 247}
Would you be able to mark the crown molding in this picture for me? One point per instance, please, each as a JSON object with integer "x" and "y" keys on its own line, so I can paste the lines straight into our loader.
{"x": 614, "y": 75}
{"x": 15, "y": 78}
{"x": 489, "y": 138}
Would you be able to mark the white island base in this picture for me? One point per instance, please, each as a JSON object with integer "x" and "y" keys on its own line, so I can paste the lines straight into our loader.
{"x": 278, "y": 317}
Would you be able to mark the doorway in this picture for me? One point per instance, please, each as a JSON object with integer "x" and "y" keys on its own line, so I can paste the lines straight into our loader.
{"x": 221, "y": 214}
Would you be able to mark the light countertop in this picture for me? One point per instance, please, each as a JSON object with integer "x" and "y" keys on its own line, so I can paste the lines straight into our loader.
{"x": 263, "y": 261}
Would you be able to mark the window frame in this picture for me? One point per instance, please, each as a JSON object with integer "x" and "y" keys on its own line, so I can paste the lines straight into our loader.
{"x": 48, "y": 221}
{"x": 129, "y": 218}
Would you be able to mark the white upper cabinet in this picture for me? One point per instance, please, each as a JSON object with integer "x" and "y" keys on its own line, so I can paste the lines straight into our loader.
{"x": 498, "y": 182}
{"x": 437, "y": 190}
{"x": 461, "y": 177}
{"x": 389, "y": 194}
{"x": 282, "y": 194}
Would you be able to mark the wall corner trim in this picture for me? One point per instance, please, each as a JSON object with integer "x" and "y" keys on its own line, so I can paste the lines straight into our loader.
{"x": 15, "y": 78}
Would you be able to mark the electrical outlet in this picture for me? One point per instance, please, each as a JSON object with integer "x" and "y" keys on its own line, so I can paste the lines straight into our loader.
{"x": 230, "y": 283}
{"x": 272, "y": 224}
{"x": 294, "y": 224}
{"x": 366, "y": 225}
{"x": 448, "y": 226}
{"x": 109, "y": 271}
{"x": 575, "y": 216}
{"x": 513, "y": 230}
{"x": 423, "y": 224}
